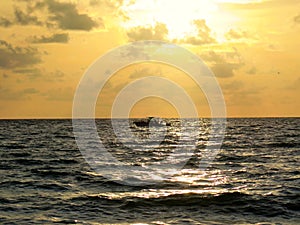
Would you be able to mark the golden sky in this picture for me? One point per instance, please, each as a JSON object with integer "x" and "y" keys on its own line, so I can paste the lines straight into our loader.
{"x": 252, "y": 47}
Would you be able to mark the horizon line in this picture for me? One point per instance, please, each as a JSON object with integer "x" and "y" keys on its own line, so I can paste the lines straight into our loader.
{"x": 204, "y": 117}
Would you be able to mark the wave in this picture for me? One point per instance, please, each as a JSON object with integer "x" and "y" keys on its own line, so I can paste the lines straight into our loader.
{"x": 284, "y": 145}
{"x": 34, "y": 184}
{"x": 225, "y": 202}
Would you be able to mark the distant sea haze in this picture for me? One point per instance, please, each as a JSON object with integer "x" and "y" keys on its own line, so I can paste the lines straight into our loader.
{"x": 255, "y": 178}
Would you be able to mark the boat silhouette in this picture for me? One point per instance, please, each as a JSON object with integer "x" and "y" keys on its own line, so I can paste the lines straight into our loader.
{"x": 155, "y": 121}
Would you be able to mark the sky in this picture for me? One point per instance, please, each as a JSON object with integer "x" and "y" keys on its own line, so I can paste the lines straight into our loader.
{"x": 252, "y": 47}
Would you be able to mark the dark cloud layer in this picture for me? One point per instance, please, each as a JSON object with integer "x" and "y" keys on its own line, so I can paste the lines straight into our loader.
{"x": 24, "y": 18}
{"x": 60, "y": 15}
{"x": 66, "y": 16}
{"x": 21, "y": 18}
{"x": 12, "y": 57}
{"x": 55, "y": 38}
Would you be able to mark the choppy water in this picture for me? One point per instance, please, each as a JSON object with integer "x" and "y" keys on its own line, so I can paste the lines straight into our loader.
{"x": 254, "y": 179}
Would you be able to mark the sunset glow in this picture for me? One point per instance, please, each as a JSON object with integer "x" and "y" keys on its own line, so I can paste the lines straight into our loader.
{"x": 47, "y": 45}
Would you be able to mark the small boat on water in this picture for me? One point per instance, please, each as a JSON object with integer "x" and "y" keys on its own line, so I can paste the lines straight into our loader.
{"x": 154, "y": 121}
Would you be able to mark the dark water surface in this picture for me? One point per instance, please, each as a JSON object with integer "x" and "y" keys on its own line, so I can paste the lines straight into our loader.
{"x": 255, "y": 178}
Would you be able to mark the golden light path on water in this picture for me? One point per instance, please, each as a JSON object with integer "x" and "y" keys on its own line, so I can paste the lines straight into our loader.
{"x": 189, "y": 181}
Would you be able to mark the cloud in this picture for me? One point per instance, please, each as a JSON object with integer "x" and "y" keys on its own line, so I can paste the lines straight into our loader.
{"x": 20, "y": 18}
{"x": 94, "y": 2}
{"x": 67, "y": 16}
{"x": 25, "y": 94}
{"x": 31, "y": 73}
{"x": 61, "y": 15}
{"x": 297, "y": 19}
{"x": 252, "y": 71}
{"x": 114, "y": 8}
{"x": 41, "y": 74}
{"x": 223, "y": 64}
{"x": 134, "y": 52}
{"x": 55, "y": 38}
{"x": 233, "y": 86}
{"x": 113, "y": 4}
{"x": 158, "y": 32}
{"x": 240, "y": 93}
{"x": 203, "y": 34}
{"x": 273, "y": 47}
{"x": 4, "y": 22}
{"x": 29, "y": 91}
{"x": 26, "y": 19}
{"x": 145, "y": 72}
{"x": 223, "y": 69}
{"x": 26, "y": 71}
{"x": 12, "y": 57}
{"x": 55, "y": 76}
{"x": 256, "y": 4}
{"x": 236, "y": 34}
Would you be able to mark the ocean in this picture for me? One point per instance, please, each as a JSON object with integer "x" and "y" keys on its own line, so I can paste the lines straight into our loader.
{"x": 254, "y": 179}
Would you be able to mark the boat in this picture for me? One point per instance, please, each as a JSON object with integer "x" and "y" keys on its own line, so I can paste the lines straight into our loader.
{"x": 155, "y": 121}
